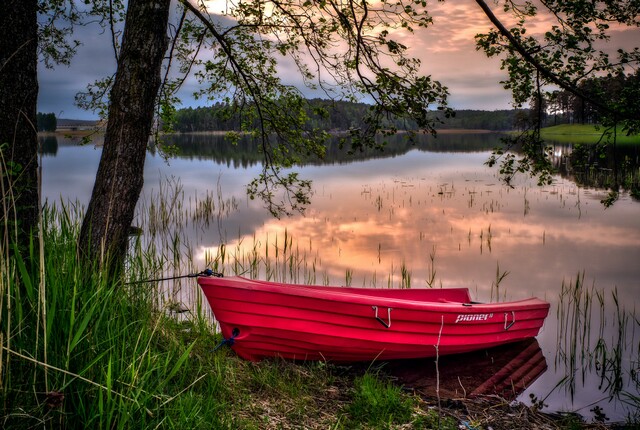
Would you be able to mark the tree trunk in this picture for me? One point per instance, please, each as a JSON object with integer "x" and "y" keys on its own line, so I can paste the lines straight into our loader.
{"x": 18, "y": 134}
{"x": 104, "y": 232}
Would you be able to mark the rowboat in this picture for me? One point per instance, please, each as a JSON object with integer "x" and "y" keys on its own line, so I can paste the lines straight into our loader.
{"x": 268, "y": 319}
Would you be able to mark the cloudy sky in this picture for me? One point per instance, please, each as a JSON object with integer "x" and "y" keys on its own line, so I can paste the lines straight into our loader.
{"x": 447, "y": 51}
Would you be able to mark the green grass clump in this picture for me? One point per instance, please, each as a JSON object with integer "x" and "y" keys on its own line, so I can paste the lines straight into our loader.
{"x": 379, "y": 404}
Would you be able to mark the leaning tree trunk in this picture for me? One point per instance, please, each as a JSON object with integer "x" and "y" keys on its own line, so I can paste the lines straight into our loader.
{"x": 103, "y": 236}
{"x": 18, "y": 134}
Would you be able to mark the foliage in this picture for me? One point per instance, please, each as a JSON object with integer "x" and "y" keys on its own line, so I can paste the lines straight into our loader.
{"x": 343, "y": 50}
{"x": 570, "y": 55}
{"x": 338, "y": 116}
{"x": 58, "y": 18}
{"x": 47, "y": 121}
{"x": 534, "y": 157}
{"x": 615, "y": 89}
{"x": 349, "y": 51}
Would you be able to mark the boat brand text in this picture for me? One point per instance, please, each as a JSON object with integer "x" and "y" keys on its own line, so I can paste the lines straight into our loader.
{"x": 473, "y": 317}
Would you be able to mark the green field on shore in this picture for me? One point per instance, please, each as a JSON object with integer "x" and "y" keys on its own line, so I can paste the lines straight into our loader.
{"x": 584, "y": 133}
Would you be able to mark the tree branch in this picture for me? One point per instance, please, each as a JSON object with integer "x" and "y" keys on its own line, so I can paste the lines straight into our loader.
{"x": 548, "y": 74}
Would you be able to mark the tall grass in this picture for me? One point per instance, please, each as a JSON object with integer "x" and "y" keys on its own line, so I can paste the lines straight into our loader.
{"x": 81, "y": 350}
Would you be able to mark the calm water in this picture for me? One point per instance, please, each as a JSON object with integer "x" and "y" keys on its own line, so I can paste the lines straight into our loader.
{"x": 435, "y": 213}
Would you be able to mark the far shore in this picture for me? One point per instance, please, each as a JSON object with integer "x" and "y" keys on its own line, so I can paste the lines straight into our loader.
{"x": 571, "y": 133}
{"x": 83, "y": 133}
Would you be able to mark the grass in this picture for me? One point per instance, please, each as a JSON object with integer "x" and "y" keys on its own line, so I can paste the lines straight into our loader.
{"x": 377, "y": 402}
{"x": 80, "y": 350}
{"x": 583, "y": 133}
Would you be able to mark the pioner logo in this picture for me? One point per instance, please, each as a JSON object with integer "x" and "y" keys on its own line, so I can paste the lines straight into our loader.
{"x": 473, "y": 317}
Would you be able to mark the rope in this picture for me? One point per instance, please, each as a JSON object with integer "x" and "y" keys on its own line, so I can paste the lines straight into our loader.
{"x": 229, "y": 342}
{"x": 205, "y": 272}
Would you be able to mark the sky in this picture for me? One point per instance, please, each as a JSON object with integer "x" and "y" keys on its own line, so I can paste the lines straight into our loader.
{"x": 446, "y": 49}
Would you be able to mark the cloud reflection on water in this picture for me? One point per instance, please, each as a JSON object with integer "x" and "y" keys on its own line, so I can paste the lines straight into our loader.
{"x": 370, "y": 218}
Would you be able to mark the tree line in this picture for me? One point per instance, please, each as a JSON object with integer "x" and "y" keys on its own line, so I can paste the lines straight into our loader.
{"x": 151, "y": 41}
{"x": 551, "y": 108}
{"x": 565, "y": 107}
{"x": 341, "y": 115}
{"x": 558, "y": 107}
{"x": 46, "y": 121}
{"x": 356, "y": 50}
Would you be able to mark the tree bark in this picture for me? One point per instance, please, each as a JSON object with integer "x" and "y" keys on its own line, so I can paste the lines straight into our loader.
{"x": 119, "y": 180}
{"x": 18, "y": 133}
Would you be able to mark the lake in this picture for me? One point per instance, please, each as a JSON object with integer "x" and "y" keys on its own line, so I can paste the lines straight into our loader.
{"x": 424, "y": 215}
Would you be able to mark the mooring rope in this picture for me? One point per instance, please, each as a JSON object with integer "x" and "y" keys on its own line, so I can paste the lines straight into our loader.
{"x": 205, "y": 272}
{"x": 229, "y": 342}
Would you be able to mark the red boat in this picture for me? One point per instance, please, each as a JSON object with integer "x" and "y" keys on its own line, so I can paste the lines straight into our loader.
{"x": 267, "y": 319}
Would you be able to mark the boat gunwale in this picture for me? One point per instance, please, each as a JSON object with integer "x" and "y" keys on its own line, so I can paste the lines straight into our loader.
{"x": 332, "y": 294}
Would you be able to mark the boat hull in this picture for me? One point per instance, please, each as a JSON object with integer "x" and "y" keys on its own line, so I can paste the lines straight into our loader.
{"x": 361, "y": 324}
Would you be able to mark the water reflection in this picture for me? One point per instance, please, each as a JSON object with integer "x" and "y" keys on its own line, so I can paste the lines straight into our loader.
{"x": 414, "y": 215}
{"x": 48, "y": 145}
{"x": 247, "y": 151}
{"x": 505, "y": 371}
{"x": 600, "y": 167}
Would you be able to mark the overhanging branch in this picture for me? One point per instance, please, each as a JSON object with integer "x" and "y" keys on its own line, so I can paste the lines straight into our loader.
{"x": 548, "y": 74}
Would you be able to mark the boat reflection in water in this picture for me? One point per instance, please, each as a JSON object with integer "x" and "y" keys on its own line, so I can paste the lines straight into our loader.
{"x": 504, "y": 371}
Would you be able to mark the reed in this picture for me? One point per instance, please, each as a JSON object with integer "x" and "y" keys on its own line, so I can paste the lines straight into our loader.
{"x": 431, "y": 276}
{"x": 84, "y": 348}
{"x": 596, "y": 336}
{"x": 91, "y": 352}
{"x": 348, "y": 277}
{"x": 495, "y": 285}
{"x": 405, "y": 276}
{"x": 116, "y": 356}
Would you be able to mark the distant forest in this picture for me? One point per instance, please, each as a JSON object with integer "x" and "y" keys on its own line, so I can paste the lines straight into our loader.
{"x": 557, "y": 107}
{"x": 343, "y": 116}
{"x": 46, "y": 121}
